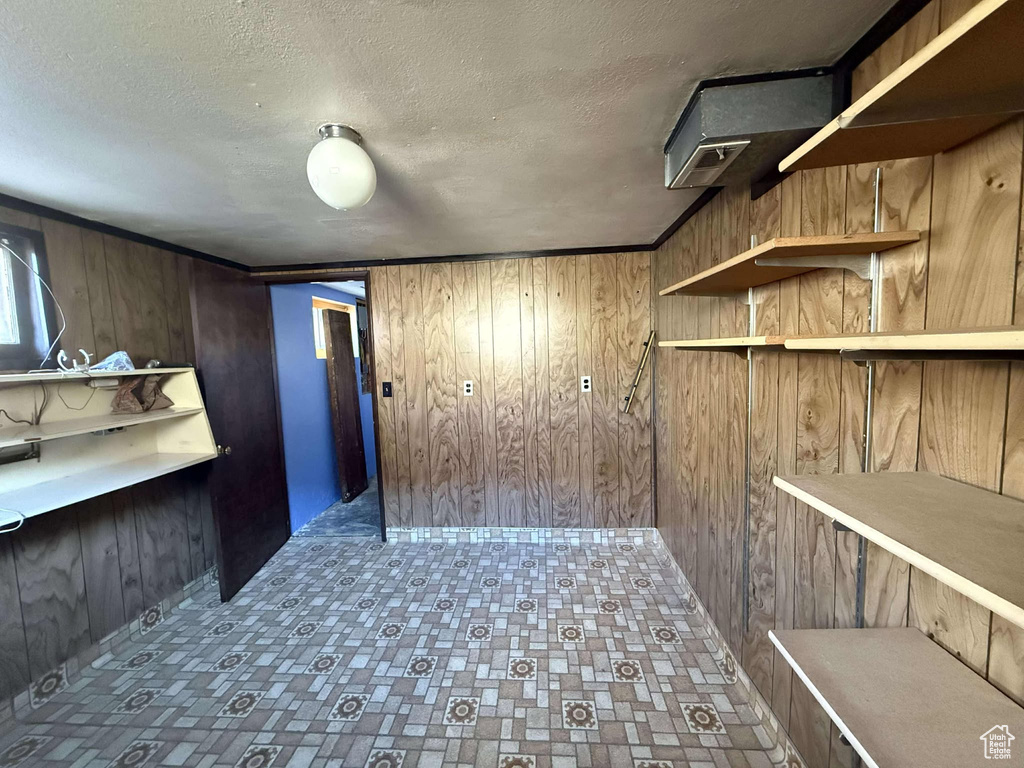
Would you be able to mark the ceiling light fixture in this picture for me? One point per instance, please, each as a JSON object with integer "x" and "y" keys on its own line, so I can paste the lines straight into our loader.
{"x": 339, "y": 170}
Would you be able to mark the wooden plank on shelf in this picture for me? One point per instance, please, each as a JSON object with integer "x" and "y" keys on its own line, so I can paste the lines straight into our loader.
{"x": 68, "y": 489}
{"x": 919, "y": 517}
{"x": 54, "y": 430}
{"x": 730, "y": 343}
{"x": 741, "y": 272}
{"x": 978, "y": 339}
{"x": 898, "y": 697}
{"x": 970, "y": 78}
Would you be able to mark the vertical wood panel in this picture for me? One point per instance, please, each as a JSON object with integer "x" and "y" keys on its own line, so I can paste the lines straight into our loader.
{"x": 488, "y": 392}
{"x": 471, "y": 452}
{"x": 785, "y": 539}
{"x": 565, "y": 401}
{"x": 416, "y": 401}
{"x": 95, "y": 260}
{"x": 177, "y": 346}
{"x": 128, "y": 552}
{"x": 66, "y": 258}
{"x": 508, "y": 392}
{"x": 101, "y": 567}
{"x": 605, "y": 395}
{"x": 48, "y": 558}
{"x": 531, "y": 497}
{"x": 403, "y": 471}
{"x": 634, "y": 428}
{"x": 162, "y": 530}
{"x": 388, "y": 447}
{"x": 542, "y": 340}
{"x": 442, "y": 403}
{"x": 585, "y": 363}
{"x": 14, "y": 670}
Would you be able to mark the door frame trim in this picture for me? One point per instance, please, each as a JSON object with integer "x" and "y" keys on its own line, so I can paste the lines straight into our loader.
{"x": 346, "y": 274}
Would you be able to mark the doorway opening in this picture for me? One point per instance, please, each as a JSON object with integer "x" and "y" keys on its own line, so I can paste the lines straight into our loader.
{"x": 325, "y": 385}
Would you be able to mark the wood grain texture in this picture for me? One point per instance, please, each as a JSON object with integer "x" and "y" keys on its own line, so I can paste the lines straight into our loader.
{"x": 442, "y": 403}
{"x": 101, "y": 567}
{"x": 508, "y": 392}
{"x": 98, "y": 286}
{"x": 51, "y": 582}
{"x": 959, "y": 419}
{"x": 585, "y": 367}
{"x": 80, "y": 569}
{"x": 633, "y": 301}
{"x": 488, "y": 404}
{"x": 470, "y": 452}
{"x": 14, "y": 670}
{"x": 605, "y": 395}
{"x": 66, "y": 257}
{"x": 403, "y": 471}
{"x": 975, "y": 210}
{"x": 383, "y": 371}
{"x": 564, "y": 399}
{"x": 162, "y": 529}
{"x": 757, "y": 648}
{"x": 542, "y": 342}
{"x": 416, "y": 400}
{"x": 531, "y": 450}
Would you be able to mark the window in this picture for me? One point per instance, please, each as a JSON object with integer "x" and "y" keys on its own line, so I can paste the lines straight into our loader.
{"x": 8, "y": 308}
{"x": 26, "y": 318}
{"x": 319, "y": 335}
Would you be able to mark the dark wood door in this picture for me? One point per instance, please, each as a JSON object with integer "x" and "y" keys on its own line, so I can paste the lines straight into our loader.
{"x": 343, "y": 388}
{"x": 235, "y": 356}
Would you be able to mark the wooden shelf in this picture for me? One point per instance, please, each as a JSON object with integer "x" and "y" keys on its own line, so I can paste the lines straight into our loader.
{"x": 729, "y": 344}
{"x": 899, "y": 698}
{"x": 77, "y": 486}
{"x": 969, "y": 79}
{"x": 969, "y": 539}
{"x": 742, "y": 272}
{"x": 58, "y": 429}
{"x": 973, "y": 344}
{"x": 44, "y": 377}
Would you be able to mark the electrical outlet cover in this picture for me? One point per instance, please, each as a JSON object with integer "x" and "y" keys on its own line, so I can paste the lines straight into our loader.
{"x": 584, "y": 383}
{"x": 467, "y": 388}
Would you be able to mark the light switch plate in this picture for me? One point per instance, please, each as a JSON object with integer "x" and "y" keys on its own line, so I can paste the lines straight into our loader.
{"x": 467, "y": 389}
{"x": 584, "y": 383}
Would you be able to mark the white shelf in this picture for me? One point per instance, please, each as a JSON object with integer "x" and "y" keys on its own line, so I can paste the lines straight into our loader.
{"x": 67, "y": 489}
{"x": 56, "y": 430}
{"x": 900, "y": 699}
{"x": 80, "y": 450}
{"x": 969, "y": 539}
{"x": 44, "y": 377}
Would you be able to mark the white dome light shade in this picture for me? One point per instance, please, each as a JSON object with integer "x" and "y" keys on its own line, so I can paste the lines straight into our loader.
{"x": 339, "y": 170}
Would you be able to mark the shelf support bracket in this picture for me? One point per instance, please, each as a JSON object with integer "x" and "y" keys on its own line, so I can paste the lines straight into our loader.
{"x": 859, "y": 264}
{"x": 840, "y": 528}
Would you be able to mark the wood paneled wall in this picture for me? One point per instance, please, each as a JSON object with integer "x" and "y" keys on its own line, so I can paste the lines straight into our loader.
{"x": 964, "y": 420}
{"x": 528, "y": 448}
{"x": 70, "y": 577}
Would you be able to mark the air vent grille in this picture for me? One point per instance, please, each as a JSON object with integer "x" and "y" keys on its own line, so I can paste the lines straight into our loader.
{"x": 707, "y": 163}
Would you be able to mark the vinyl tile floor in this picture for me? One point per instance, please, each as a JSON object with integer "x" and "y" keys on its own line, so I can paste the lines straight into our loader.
{"x": 432, "y": 651}
{"x": 359, "y": 517}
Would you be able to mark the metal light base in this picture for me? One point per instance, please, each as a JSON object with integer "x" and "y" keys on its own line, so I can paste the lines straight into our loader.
{"x": 339, "y": 131}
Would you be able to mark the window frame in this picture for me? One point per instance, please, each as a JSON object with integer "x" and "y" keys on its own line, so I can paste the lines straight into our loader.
{"x": 38, "y": 311}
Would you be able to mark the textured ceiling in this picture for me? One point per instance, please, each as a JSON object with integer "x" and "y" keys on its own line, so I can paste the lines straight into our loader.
{"x": 495, "y": 126}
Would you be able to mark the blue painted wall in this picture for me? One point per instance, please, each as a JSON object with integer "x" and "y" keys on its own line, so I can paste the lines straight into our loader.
{"x": 309, "y": 455}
